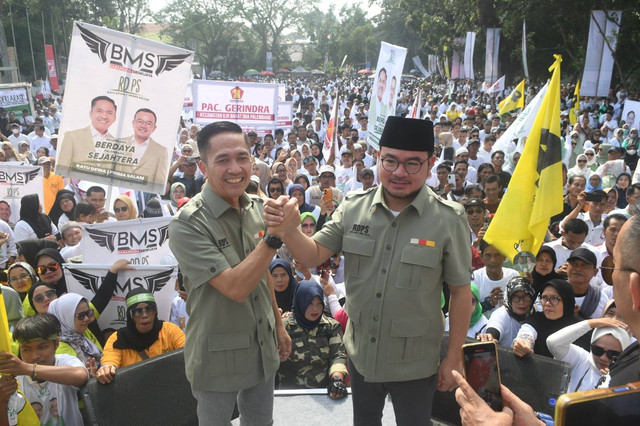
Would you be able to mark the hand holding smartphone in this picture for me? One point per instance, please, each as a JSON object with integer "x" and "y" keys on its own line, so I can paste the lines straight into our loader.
{"x": 482, "y": 371}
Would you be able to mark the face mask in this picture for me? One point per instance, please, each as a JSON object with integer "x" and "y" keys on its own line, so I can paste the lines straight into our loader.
{"x": 625, "y": 132}
{"x": 16, "y": 131}
{"x": 631, "y": 152}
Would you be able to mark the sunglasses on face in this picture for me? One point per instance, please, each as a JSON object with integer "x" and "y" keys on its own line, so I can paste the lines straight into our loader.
{"x": 138, "y": 312}
{"x": 475, "y": 211}
{"x": 85, "y": 314}
{"x": 47, "y": 295}
{"x": 599, "y": 351}
{"x": 53, "y": 266}
{"x": 589, "y": 155}
{"x": 120, "y": 209}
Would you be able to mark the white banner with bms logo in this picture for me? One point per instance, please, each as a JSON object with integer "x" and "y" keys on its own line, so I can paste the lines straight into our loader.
{"x": 85, "y": 280}
{"x": 250, "y": 105}
{"x": 17, "y": 181}
{"x": 142, "y": 241}
{"x": 123, "y": 98}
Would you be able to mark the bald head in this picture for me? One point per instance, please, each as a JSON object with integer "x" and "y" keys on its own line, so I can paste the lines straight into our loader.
{"x": 629, "y": 242}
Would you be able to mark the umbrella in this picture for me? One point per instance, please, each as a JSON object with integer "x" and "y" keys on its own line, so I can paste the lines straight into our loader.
{"x": 283, "y": 71}
{"x": 364, "y": 71}
{"x": 265, "y": 73}
{"x": 300, "y": 70}
{"x": 251, "y": 72}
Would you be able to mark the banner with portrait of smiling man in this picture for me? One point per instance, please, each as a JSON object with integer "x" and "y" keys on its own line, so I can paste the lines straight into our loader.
{"x": 386, "y": 87}
{"x": 123, "y": 98}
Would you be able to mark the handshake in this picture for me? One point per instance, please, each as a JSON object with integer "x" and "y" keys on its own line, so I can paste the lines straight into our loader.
{"x": 281, "y": 215}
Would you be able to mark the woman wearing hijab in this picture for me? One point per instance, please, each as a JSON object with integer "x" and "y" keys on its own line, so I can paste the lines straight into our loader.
{"x": 75, "y": 315}
{"x": 23, "y": 150}
{"x": 622, "y": 183}
{"x": 558, "y": 306}
{"x": 176, "y": 193}
{"x": 284, "y": 284}
{"x": 612, "y": 200}
{"x": 21, "y": 277}
{"x": 33, "y": 223}
{"x": 592, "y": 164}
{"x": 144, "y": 336}
{"x": 318, "y": 357}
{"x": 594, "y": 183}
{"x": 545, "y": 269}
{"x": 124, "y": 208}
{"x": 316, "y": 151}
{"x": 631, "y": 145}
{"x": 275, "y": 182}
{"x": 609, "y": 339}
{"x": 505, "y": 322}
{"x": 261, "y": 169}
{"x": 297, "y": 191}
{"x": 478, "y": 322}
{"x": 63, "y": 208}
{"x": 580, "y": 169}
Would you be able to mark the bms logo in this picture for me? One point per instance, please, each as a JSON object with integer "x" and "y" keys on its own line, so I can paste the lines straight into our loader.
{"x": 19, "y": 177}
{"x": 126, "y": 242}
{"x": 145, "y": 62}
{"x": 152, "y": 283}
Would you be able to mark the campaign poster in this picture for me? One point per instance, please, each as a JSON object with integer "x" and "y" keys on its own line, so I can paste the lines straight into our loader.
{"x": 631, "y": 113}
{"x": 86, "y": 279}
{"x": 16, "y": 181}
{"x": 250, "y": 105}
{"x": 123, "y": 100}
{"x": 285, "y": 115}
{"x": 15, "y": 97}
{"x": 386, "y": 87}
{"x": 141, "y": 241}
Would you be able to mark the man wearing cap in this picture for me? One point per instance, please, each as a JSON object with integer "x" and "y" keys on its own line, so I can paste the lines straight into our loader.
{"x": 594, "y": 217}
{"x": 311, "y": 166}
{"x": 16, "y": 137}
{"x": 474, "y": 160}
{"x": 582, "y": 268}
{"x": 475, "y": 216}
{"x": 400, "y": 242}
{"x": 367, "y": 179}
{"x": 51, "y": 183}
{"x": 327, "y": 179}
{"x": 360, "y": 153}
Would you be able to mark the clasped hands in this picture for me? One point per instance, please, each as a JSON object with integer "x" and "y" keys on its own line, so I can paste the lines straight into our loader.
{"x": 282, "y": 215}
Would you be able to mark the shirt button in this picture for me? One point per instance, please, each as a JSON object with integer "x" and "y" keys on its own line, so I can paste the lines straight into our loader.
{"x": 261, "y": 343}
{"x": 384, "y": 271}
{"x": 260, "y": 321}
{"x": 255, "y": 297}
{"x": 388, "y": 247}
{"x": 375, "y": 318}
{"x": 373, "y": 340}
{"x": 394, "y": 224}
{"x": 378, "y": 295}
{"x": 212, "y": 269}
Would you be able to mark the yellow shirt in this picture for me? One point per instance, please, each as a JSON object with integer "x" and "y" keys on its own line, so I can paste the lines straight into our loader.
{"x": 50, "y": 187}
{"x": 169, "y": 338}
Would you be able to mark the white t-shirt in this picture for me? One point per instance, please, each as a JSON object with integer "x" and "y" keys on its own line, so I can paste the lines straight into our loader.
{"x": 50, "y": 394}
{"x": 506, "y": 325}
{"x": 179, "y": 315}
{"x": 485, "y": 284}
{"x": 604, "y": 298}
{"x": 563, "y": 253}
{"x": 23, "y": 231}
{"x": 479, "y": 327}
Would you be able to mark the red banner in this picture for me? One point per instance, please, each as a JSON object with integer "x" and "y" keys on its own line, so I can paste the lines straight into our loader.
{"x": 52, "y": 72}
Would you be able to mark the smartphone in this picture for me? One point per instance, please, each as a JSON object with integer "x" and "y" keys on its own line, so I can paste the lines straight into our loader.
{"x": 482, "y": 371}
{"x": 593, "y": 197}
{"x": 613, "y": 406}
{"x": 328, "y": 195}
{"x": 193, "y": 160}
{"x": 452, "y": 179}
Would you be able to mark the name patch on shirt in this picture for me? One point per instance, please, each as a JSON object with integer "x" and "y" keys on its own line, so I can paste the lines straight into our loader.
{"x": 360, "y": 229}
{"x": 223, "y": 243}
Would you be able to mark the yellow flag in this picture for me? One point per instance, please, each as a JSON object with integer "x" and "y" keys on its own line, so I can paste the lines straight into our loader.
{"x": 515, "y": 100}
{"x": 575, "y": 109}
{"x": 5, "y": 338}
{"x": 535, "y": 191}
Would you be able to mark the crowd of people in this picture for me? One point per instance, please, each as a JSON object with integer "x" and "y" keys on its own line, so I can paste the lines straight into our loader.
{"x": 563, "y": 306}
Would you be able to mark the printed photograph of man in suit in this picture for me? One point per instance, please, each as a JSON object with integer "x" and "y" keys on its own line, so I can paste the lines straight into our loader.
{"x": 77, "y": 144}
{"x": 152, "y": 158}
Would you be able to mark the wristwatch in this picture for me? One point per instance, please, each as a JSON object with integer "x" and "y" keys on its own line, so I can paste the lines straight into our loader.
{"x": 273, "y": 241}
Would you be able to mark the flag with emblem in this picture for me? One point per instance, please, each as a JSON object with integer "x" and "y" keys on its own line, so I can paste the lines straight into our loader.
{"x": 514, "y": 101}
{"x": 575, "y": 107}
{"x": 415, "y": 110}
{"x": 534, "y": 194}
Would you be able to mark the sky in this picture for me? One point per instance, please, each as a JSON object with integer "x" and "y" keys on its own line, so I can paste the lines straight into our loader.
{"x": 156, "y": 5}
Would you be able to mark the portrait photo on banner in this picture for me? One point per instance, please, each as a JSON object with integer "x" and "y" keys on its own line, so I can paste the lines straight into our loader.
{"x": 123, "y": 101}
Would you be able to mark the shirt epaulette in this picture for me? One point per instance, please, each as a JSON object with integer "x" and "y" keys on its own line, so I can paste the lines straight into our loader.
{"x": 359, "y": 193}
{"x": 454, "y": 205}
{"x": 189, "y": 209}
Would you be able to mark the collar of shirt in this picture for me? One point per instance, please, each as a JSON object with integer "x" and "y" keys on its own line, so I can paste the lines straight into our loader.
{"x": 218, "y": 206}
{"x": 418, "y": 202}
{"x": 96, "y": 135}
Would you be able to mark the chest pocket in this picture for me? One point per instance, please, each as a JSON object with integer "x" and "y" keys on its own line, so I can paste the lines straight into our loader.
{"x": 416, "y": 267}
{"x": 358, "y": 252}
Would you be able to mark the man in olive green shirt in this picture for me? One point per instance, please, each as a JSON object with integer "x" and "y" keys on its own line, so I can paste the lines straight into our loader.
{"x": 235, "y": 336}
{"x": 400, "y": 242}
